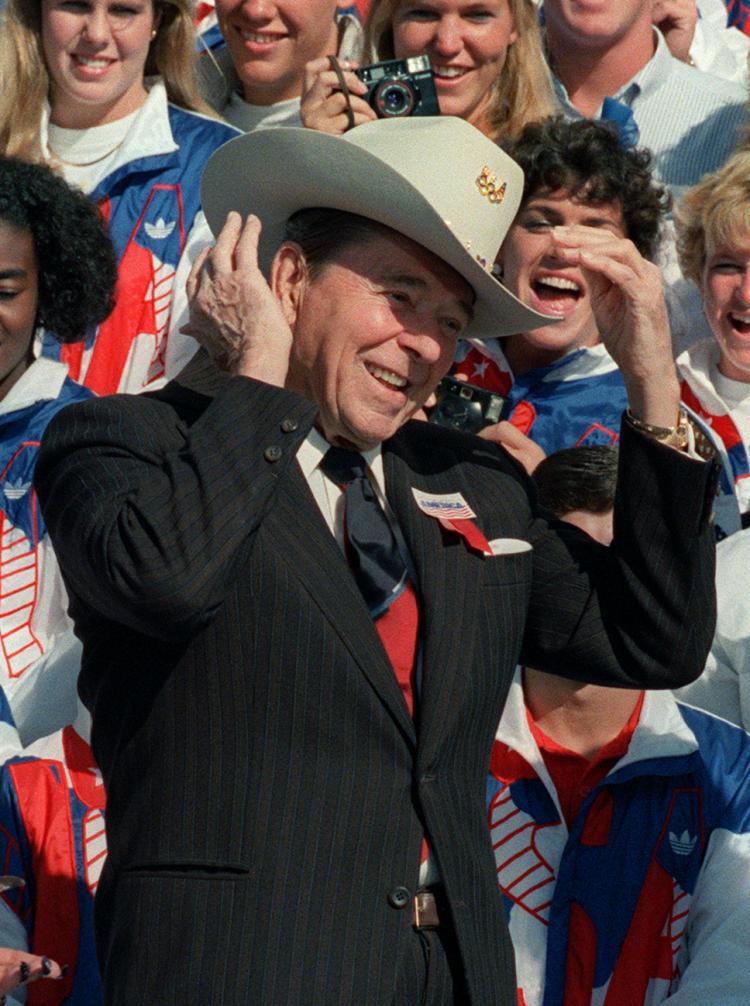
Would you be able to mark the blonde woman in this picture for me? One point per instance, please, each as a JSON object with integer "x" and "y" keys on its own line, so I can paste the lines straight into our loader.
{"x": 104, "y": 90}
{"x": 488, "y": 63}
{"x": 713, "y": 229}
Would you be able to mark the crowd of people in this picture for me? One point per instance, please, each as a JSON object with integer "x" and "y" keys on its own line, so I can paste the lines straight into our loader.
{"x": 377, "y": 711}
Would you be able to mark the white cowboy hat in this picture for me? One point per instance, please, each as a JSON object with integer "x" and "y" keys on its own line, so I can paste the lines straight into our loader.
{"x": 435, "y": 179}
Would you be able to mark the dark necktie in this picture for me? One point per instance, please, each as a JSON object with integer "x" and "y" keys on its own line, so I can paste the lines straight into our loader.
{"x": 379, "y": 569}
{"x": 378, "y": 566}
{"x": 373, "y": 554}
{"x": 621, "y": 116}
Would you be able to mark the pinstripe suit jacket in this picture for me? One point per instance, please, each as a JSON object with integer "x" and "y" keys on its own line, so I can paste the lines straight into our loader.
{"x": 266, "y": 786}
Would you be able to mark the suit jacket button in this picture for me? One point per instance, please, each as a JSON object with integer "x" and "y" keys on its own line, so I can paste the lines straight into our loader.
{"x": 399, "y": 897}
{"x": 272, "y": 453}
{"x": 289, "y": 425}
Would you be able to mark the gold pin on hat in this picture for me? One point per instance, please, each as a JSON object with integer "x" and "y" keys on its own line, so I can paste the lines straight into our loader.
{"x": 488, "y": 186}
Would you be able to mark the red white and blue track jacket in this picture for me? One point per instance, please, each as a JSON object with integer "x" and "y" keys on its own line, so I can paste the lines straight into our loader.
{"x": 645, "y": 899}
{"x": 52, "y": 835}
{"x": 576, "y": 401}
{"x": 698, "y": 393}
{"x": 151, "y": 202}
{"x": 39, "y": 657}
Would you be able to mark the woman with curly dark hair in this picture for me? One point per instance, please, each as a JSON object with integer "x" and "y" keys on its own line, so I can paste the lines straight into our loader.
{"x": 57, "y": 275}
{"x": 560, "y": 384}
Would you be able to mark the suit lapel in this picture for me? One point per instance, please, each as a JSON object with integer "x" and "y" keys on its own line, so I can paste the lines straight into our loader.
{"x": 311, "y": 551}
{"x": 449, "y": 576}
{"x": 312, "y": 554}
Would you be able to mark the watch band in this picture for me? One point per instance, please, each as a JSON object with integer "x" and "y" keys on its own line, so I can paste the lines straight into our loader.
{"x": 685, "y": 436}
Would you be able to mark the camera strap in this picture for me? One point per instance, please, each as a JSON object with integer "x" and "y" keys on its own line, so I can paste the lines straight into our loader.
{"x": 344, "y": 88}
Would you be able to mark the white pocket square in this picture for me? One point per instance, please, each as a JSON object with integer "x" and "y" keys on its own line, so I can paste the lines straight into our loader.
{"x": 509, "y": 546}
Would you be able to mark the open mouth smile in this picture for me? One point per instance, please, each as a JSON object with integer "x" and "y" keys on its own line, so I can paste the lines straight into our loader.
{"x": 450, "y": 72}
{"x": 259, "y": 37}
{"x": 95, "y": 63}
{"x": 557, "y": 294}
{"x": 740, "y": 323}
{"x": 386, "y": 377}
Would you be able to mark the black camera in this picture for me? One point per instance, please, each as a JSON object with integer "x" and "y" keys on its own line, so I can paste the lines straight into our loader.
{"x": 400, "y": 87}
{"x": 465, "y": 407}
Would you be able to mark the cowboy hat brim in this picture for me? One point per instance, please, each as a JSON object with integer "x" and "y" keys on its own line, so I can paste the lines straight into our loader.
{"x": 274, "y": 173}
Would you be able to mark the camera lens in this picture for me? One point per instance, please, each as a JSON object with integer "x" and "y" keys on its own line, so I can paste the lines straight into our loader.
{"x": 393, "y": 98}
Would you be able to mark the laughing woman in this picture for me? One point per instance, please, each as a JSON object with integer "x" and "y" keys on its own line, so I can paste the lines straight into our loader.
{"x": 713, "y": 231}
{"x": 487, "y": 59}
{"x": 104, "y": 91}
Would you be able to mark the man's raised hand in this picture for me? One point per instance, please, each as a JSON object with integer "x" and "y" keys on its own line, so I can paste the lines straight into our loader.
{"x": 233, "y": 312}
{"x": 627, "y": 298}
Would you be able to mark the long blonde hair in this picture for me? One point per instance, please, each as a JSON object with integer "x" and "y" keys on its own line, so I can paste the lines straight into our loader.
{"x": 522, "y": 91}
{"x": 25, "y": 82}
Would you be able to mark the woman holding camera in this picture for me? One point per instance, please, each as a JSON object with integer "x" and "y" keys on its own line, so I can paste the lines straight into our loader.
{"x": 487, "y": 59}
{"x": 104, "y": 91}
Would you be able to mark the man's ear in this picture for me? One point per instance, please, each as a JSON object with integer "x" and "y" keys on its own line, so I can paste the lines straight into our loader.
{"x": 289, "y": 278}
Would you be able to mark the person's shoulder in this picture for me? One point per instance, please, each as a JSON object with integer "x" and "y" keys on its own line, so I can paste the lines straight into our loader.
{"x": 434, "y": 445}
{"x": 693, "y": 83}
{"x": 733, "y": 555}
{"x": 196, "y": 130}
{"x": 124, "y": 418}
{"x": 724, "y": 753}
{"x": 72, "y": 391}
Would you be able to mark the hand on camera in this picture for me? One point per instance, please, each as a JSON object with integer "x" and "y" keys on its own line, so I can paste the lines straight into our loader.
{"x": 324, "y": 104}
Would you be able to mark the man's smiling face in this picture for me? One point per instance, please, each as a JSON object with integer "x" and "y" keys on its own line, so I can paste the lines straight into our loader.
{"x": 374, "y": 332}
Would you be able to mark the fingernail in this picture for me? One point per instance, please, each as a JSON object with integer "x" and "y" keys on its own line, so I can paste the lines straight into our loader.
{"x": 46, "y": 966}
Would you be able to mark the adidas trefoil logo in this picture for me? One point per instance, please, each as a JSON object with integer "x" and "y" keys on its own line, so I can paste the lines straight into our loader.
{"x": 683, "y": 844}
{"x": 15, "y": 490}
{"x": 161, "y": 229}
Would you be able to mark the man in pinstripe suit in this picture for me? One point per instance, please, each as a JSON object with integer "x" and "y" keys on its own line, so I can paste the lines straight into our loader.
{"x": 269, "y": 792}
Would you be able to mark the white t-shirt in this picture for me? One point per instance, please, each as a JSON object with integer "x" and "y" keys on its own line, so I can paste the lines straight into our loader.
{"x": 247, "y": 117}
{"x": 86, "y": 155}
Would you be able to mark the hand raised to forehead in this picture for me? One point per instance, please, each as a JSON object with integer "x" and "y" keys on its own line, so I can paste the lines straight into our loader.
{"x": 627, "y": 298}
{"x": 233, "y": 313}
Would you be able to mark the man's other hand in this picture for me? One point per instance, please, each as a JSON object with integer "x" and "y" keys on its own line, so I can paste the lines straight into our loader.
{"x": 517, "y": 444}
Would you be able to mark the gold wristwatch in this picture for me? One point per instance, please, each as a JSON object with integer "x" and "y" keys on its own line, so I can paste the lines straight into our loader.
{"x": 685, "y": 436}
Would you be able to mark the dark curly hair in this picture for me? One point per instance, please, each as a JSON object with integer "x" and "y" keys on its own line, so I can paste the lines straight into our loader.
{"x": 586, "y": 160}
{"x": 74, "y": 255}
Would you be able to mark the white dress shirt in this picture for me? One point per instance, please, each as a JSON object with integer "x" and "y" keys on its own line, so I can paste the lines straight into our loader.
{"x": 330, "y": 499}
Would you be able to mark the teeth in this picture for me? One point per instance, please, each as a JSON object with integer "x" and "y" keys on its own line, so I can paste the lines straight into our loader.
{"x": 559, "y": 283}
{"x": 743, "y": 319}
{"x": 388, "y": 376}
{"x": 95, "y": 64}
{"x": 255, "y": 36}
{"x": 449, "y": 71}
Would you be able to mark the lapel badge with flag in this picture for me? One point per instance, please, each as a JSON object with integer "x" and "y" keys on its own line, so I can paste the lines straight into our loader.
{"x": 453, "y": 512}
